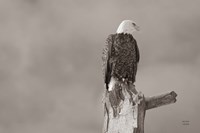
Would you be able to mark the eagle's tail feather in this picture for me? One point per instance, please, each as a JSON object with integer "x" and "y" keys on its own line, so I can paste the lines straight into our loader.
{"x": 115, "y": 97}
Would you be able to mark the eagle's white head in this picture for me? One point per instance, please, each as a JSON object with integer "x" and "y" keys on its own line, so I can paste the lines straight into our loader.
{"x": 127, "y": 26}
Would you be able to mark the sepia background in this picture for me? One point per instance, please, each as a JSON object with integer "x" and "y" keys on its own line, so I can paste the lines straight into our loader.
{"x": 50, "y": 62}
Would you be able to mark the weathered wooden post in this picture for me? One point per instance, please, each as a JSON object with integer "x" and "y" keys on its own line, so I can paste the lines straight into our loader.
{"x": 131, "y": 114}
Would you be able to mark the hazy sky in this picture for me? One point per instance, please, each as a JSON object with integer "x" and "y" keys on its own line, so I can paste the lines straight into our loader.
{"x": 50, "y": 55}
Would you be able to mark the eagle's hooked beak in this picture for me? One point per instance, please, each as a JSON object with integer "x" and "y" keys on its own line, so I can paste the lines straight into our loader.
{"x": 136, "y": 27}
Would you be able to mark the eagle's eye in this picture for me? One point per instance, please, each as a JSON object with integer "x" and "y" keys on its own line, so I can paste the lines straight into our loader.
{"x": 134, "y": 24}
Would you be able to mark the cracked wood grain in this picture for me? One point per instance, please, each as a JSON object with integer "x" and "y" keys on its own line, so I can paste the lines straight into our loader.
{"x": 132, "y": 110}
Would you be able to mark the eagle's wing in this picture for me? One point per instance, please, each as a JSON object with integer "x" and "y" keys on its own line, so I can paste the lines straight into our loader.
{"x": 108, "y": 61}
{"x": 137, "y": 52}
{"x": 107, "y": 65}
{"x": 137, "y": 57}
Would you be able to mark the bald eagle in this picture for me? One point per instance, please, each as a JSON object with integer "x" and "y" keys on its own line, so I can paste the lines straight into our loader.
{"x": 120, "y": 59}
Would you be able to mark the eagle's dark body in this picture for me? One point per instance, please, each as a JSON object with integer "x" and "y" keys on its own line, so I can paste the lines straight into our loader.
{"x": 120, "y": 58}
